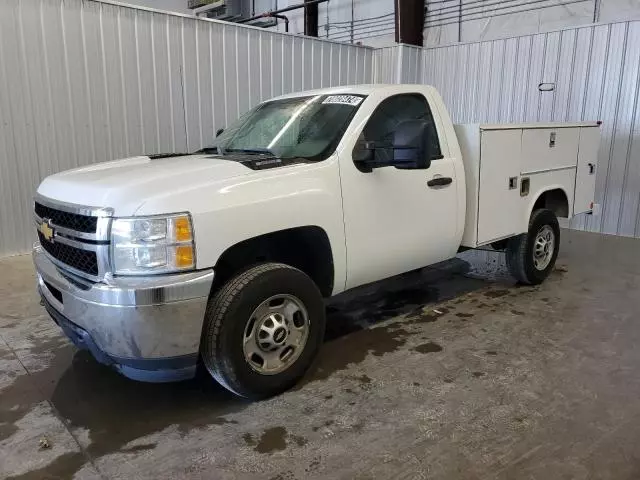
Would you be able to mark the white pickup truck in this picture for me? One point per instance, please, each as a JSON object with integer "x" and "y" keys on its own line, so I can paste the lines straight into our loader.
{"x": 156, "y": 263}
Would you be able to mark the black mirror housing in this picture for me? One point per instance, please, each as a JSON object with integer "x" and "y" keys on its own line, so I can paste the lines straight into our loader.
{"x": 363, "y": 156}
{"x": 410, "y": 149}
{"x": 410, "y": 145}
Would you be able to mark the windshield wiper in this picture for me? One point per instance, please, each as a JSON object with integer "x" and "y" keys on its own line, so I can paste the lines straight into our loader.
{"x": 250, "y": 151}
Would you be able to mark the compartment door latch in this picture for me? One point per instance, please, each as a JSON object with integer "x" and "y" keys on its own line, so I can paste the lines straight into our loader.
{"x": 525, "y": 184}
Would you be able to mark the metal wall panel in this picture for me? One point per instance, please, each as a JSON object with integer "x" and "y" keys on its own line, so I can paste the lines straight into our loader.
{"x": 596, "y": 72}
{"x": 386, "y": 62}
{"x": 84, "y": 82}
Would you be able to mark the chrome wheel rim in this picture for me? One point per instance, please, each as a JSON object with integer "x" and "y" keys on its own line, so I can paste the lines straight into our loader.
{"x": 544, "y": 247}
{"x": 276, "y": 334}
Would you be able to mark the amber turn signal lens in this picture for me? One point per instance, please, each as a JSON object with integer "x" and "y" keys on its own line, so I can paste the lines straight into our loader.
{"x": 183, "y": 229}
{"x": 184, "y": 256}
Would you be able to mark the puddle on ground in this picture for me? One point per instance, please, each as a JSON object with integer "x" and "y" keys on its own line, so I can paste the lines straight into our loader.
{"x": 496, "y": 293}
{"x": 273, "y": 439}
{"x": 25, "y": 391}
{"x": 340, "y": 353}
{"x": 429, "y": 347}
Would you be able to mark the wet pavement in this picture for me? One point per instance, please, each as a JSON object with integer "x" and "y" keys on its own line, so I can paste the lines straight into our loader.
{"x": 451, "y": 372}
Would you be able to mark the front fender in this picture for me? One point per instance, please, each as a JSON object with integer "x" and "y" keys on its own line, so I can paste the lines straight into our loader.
{"x": 231, "y": 211}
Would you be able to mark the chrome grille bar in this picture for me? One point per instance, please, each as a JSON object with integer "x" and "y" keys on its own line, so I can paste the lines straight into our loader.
{"x": 74, "y": 240}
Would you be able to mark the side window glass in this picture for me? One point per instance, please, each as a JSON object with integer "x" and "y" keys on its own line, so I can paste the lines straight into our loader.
{"x": 381, "y": 127}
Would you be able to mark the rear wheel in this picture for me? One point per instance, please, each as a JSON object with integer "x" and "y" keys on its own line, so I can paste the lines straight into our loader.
{"x": 532, "y": 255}
{"x": 263, "y": 329}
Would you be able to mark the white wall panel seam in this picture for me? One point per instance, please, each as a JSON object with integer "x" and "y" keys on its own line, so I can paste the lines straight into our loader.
{"x": 185, "y": 104}
{"x": 571, "y": 73}
{"x": 540, "y": 79}
{"x": 92, "y": 139}
{"x": 587, "y": 76}
{"x": 55, "y": 151}
{"x": 106, "y": 85}
{"x": 555, "y": 77}
{"x": 173, "y": 127}
{"x": 237, "y": 70}
{"x": 502, "y": 72}
{"x": 125, "y": 119}
{"x": 199, "y": 95}
{"x": 141, "y": 112}
{"x": 514, "y": 82}
{"x": 606, "y": 60}
{"x": 528, "y": 77}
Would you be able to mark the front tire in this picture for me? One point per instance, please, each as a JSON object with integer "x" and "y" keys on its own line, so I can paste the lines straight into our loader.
{"x": 262, "y": 330}
{"x": 532, "y": 255}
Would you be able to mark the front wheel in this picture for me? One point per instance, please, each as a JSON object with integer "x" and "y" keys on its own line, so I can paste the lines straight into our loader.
{"x": 262, "y": 330}
{"x": 532, "y": 255}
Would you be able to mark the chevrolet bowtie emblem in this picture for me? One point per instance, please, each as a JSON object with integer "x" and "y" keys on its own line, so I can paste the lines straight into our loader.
{"x": 46, "y": 230}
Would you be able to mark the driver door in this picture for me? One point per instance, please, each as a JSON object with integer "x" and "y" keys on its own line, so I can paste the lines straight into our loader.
{"x": 394, "y": 220}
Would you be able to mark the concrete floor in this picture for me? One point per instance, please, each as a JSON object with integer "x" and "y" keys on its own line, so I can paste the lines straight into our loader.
{"x": 448, "y": 373}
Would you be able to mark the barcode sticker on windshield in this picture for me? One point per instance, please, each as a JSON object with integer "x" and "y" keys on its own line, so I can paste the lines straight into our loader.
{"x": 344, "y": 100}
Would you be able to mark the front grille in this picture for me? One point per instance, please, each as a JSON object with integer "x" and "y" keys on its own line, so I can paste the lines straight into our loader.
{"x": 83, "y": 260}
{"x": 73, "y": 221}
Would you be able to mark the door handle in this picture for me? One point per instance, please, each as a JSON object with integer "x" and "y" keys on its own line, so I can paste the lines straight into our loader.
{"x": 440, "y": 181}
{"x": 592, "y": 168}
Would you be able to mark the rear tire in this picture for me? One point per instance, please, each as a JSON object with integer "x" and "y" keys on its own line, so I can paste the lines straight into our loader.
{"x": 262, "y": 330}
{"x": 532, "y": 255}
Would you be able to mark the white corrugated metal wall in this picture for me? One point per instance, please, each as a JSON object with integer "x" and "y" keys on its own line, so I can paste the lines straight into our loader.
{"x": 596, "y": 74}
{"x": 84, "y": 82}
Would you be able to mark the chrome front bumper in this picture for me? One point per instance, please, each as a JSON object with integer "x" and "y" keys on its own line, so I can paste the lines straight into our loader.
{"x": 148, "y": 328}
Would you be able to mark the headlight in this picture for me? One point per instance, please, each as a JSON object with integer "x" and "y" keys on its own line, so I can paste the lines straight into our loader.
{"x": 144, "y": 245}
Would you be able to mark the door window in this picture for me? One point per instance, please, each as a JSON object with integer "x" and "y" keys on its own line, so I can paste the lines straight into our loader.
{"x": 382, "y": 124}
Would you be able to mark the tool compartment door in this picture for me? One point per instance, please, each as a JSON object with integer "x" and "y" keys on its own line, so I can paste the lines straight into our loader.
{"x": 549, "y": 148}
{"x": 586, "y": 172}
{"x": 499, "y": 205}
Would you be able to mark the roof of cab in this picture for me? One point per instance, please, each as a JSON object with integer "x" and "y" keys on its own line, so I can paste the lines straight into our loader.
{"x": 366, "y": 89}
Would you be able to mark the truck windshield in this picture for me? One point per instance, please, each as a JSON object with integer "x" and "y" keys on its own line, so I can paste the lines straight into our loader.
{"x": 307, "y": 127}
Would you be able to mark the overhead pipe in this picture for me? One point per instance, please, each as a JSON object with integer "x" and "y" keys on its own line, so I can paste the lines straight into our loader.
{"x": 282, "y": 17}
{"x": 283, "y": 10}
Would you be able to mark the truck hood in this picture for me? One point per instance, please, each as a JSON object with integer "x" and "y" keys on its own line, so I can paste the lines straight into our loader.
{"x": 125, "y": 184}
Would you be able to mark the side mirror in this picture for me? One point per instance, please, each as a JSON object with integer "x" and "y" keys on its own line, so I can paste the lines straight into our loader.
{"x": 411, "y": 148}
{"x": 363, "y": 155}
{"x": 219, "y": 132}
